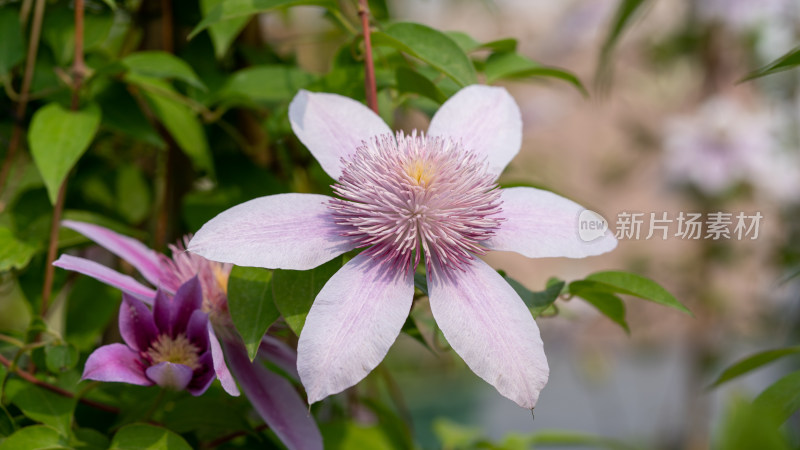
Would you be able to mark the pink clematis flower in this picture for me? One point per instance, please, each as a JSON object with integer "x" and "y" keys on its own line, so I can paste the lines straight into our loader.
{"x": 404, "y": 198}
{"x": 272, "y": 396}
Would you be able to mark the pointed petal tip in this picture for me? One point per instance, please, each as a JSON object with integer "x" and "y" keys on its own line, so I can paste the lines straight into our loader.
{"x": 115, "y": 363}
{"x": 541, "y": 224}
{"x": 489, "y": 326}
{"x": 352, "y": 323}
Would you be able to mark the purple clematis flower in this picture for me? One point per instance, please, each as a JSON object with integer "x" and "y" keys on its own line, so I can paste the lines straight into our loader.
{"x": 405, "y": 198}
{"x": 273, "y": 397}
{"x": 168, "y": 346}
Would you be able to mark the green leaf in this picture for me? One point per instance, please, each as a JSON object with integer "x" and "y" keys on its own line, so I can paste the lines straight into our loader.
{"x": 58, "y": 138}
{"x": 626, "y": 11}
{"x": 572, "y": 438}
{"x": 60, "y": 357}
{"x": 36, "y": 437}
{"x": 421, "y": 283}
{"x": 12, "y": 46}
{"x": 539, "y": 301}
{"x": 411, "y": 329}
{"x": 133, "y": 194}
{"x": 638, "y": 286}
{"x": 785, "y": 62}
{"x": 753, "y": 362}
{"x": 267, "y": 84}
{"x": 251, "y": 306}
{"x": 455, "y": 435}
{"x": 15, "y": 309}
{"x": 160, "y": 64}
{"x": 514, "y": 65}
{"x": 222, "y": 33}
{"x": 58, "y": 31}
{"x": 184, "y": 126}
{"x": 140, "y": 436}
{"x": 783, "y": 397}
{"x": 746, "y": 427}
{"x": 412, "y": 82}
{"x": 294, "y": 291}
{"x": 89, "y": 439}
{"x": 466, "y": 42}
{"x": 609, "y": 304}
{"x": 349, "y": 435}
{"x": 14, "y": 253}
{"x": 431, "y": 46}
{"x": 500, "y": 45}
{"x": 201, "y": 414}
{"x": 121, "y": 113}
{"x": 90, "y": 307}
{"x": 7, "y": 425}
{"x": 231, "y": 9}
{"x": 42, "y": 405}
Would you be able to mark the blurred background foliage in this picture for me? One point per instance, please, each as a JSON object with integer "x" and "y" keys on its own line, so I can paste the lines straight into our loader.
{"x": 174, "y": 111}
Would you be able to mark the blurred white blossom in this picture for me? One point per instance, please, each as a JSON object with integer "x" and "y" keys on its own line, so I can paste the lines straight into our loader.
{"x": 723, "y": 143}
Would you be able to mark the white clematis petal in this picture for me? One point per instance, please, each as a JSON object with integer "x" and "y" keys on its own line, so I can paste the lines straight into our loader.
{"x": 354, "y": 320}
{"x": 285, "y": 231}
{"x": 333, "y": 126}
{"x": 486, "y": 120}
{"x": 489, "y": 326}
{"x": 541, "y": 224}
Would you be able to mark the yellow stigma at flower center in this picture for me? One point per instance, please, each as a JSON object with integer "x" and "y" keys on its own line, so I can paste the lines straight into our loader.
{"x": 178, "y": 350}
{"x": 421, "y": 171}
{"x": 221, "y": 277}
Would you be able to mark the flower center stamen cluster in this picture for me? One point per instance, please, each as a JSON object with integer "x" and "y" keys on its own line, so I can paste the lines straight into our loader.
{"x": 417, "y": 195}
{"x": 177, "y": 350}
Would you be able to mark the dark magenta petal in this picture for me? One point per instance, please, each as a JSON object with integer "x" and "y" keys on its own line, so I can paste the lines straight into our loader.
{"x": 204, "y": 376}
{"x": 162, "y": 312}
{"x": 275, "y": 400}
{"x": 170, "y": 375}
{"x": 115, "y": 363}
{"x": 187, "y": 300}
{"x": 280, "y": 354}
{"x": 136, "y": 323}
{"x": 197, "y": 330}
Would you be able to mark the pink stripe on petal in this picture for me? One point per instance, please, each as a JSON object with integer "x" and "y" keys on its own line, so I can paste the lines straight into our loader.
{"x": 285, "y": 231}
{"x": 354, "y": 320}
{"x": 333, "y": 126}
{"x": 220, "y": 368}
{"x": 489, "y": 326}
{"x": 145, "y": 260}
{"x": 105, "y": 275}
{"x": 115, "y": 363}
{"x": 275, "y": 400}
{"x": 486, "y": 120}
{"x": 541, "y": 224}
